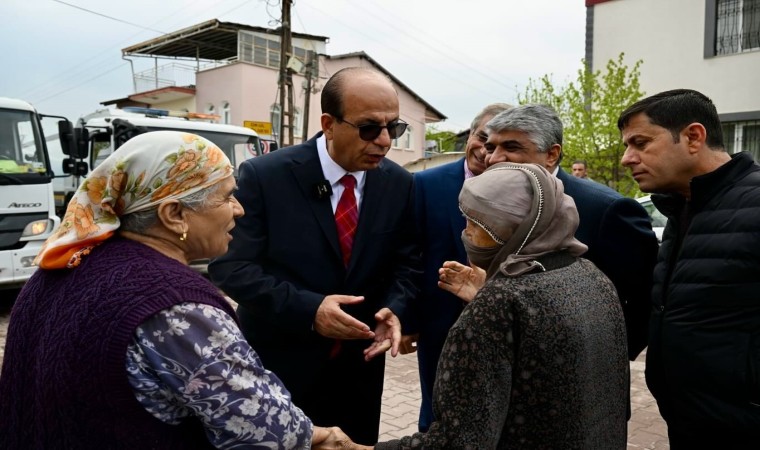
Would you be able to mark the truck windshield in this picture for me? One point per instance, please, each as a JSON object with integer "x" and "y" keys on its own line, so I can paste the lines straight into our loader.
{"x": 22, "y": 153}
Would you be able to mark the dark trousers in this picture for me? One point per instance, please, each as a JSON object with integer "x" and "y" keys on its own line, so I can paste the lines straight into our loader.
{"x": 347, "y": 393}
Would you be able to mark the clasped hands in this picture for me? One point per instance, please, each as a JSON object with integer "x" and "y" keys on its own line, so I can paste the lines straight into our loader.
{"x": 332, "y": 322}
{"x": 333, "y": 438}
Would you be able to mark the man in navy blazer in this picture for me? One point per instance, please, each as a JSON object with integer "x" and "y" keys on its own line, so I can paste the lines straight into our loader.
{"x": 320, "y": 323}
{"x": 440, "y": 225}
{"x": 616, "y": 229}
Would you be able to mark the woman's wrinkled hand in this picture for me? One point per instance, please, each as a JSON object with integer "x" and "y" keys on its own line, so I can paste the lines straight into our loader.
{"x": 333, "y": 438}
{"x": 462, "y": 281}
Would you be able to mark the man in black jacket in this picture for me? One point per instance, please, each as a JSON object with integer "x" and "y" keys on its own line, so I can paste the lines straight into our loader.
{"x": 703, "y": 362}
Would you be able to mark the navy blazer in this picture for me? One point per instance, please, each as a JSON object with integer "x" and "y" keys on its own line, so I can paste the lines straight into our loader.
{"x": 621, "y": 243}
{"x": 440, "y": 224}
{"x": 285, "y": 257}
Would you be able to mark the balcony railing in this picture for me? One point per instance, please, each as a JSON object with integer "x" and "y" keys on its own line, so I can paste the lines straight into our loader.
{"x": 172, "y": 74}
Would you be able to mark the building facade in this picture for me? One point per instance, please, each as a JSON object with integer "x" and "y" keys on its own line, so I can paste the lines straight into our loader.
{"x": 233, "y": 72}
{"x": 712, "y": 46}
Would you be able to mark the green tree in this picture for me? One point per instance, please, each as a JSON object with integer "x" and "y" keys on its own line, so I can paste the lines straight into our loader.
{"x": 445, "y": 139}
{"x": 589, "y": 108}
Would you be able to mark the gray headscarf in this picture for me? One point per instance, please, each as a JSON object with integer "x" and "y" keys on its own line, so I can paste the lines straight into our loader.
{"x": 525, "y": 210}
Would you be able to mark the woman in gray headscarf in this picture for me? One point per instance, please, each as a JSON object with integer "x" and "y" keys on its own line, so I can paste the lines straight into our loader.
{"x": 538, "y": 359}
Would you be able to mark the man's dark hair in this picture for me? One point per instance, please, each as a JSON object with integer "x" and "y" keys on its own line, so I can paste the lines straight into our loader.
{"x": 674, "y": 110}
{"x": 332, "y": 92}
{"x": 581, "y": 161}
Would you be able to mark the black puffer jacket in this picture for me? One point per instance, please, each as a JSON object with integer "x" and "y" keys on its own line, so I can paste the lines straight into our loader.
{"x": 703, "y": 362}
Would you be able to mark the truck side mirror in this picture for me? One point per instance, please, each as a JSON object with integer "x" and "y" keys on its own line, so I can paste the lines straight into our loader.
{"x": 81, "y": 169}
{"x": 82, "y": 143}
{"x": 68, "y": 165}
{"x": 66, "y": 135}
{"x": 74, "y": 167}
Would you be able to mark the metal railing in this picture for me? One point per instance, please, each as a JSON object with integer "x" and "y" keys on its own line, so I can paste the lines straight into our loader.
{"x": 742, "y": 137}
{"x": 737, "y": 26}
{"x": 173, "y": 74}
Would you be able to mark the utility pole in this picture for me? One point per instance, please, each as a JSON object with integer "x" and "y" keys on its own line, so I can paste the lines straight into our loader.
{"x": 285, "y": 80}
{"x": 310, "y": 63}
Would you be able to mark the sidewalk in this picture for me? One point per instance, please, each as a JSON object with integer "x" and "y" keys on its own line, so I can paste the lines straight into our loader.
{"x": 401, "y": 402}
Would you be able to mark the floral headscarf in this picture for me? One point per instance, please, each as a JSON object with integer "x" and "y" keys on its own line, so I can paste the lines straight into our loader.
{"x": 146, "y": 171}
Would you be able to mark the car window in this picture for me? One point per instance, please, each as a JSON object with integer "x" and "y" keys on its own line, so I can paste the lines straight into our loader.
{"x": 658, "y": 219}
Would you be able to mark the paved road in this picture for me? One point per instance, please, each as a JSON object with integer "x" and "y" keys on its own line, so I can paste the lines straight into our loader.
{"x": 401, "y": 399}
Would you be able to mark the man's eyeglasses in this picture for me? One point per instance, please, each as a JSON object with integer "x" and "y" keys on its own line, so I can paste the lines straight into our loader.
{"x": 371, "y": 131}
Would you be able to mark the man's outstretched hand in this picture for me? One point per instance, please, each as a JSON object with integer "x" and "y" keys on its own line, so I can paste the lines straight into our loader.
{"x": 332, "y": 322}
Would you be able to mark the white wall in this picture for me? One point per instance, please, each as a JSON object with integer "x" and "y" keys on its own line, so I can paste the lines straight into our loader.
{"x": 668, "y": 35}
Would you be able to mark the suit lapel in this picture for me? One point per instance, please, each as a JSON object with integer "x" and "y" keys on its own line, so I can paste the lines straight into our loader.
{"x": 307, "y": 171}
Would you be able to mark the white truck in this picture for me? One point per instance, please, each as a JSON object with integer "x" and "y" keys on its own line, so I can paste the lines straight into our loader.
{"x": 105, "y": 130}
{"x": 27, "y": 213}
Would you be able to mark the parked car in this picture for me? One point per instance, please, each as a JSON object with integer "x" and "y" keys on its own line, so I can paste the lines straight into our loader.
{"x": 657, "y": 218}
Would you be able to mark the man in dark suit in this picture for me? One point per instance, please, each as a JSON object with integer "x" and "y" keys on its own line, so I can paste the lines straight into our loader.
{"x": 440, "y": 225}
{"x": 616, "y": 229}
{"x": 321, "y": 286}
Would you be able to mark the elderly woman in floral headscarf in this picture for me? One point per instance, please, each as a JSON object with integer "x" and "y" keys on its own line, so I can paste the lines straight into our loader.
{"x": 538, "y": 359}
{"x": 117, "y": 343}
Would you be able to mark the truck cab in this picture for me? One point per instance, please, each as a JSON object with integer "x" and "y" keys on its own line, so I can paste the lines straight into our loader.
{"x": 110, "y": 128}
{"x": 27, "y": 214}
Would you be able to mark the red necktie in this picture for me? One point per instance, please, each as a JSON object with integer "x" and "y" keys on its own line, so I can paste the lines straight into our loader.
{"x": 346, "y": 217}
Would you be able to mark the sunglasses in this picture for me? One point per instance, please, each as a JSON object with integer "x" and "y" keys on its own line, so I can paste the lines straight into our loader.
{"x": 371, "y": 131}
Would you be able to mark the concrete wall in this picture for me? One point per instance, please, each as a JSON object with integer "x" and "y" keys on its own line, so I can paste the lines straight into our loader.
{"x": 669, "y": 36}
{"x": 185, "y": 104}
{"x": 433, "y": 161}
{"x": 251, "y": 91}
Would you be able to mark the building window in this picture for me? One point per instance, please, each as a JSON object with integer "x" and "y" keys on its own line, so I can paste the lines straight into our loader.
{"x": 298, "y": 124}
{"x": 405, "y": 140}
{"x": 742, "y": 137}
{"x": 737, "y": 26}
{"x": 226, "y": 118}
{"x": 263, "y": 51}
{"x": 274, "y": 113}
{"x": 210, "y": 109}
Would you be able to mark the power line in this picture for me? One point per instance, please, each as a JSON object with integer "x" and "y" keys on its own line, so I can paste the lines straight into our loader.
{"x": 83, "y": 82}
{"x": 109, "y": 17}
{"x": 83, "y": 67}
{"x": 402, "y": 52}
{"x": 437, "y": 50}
